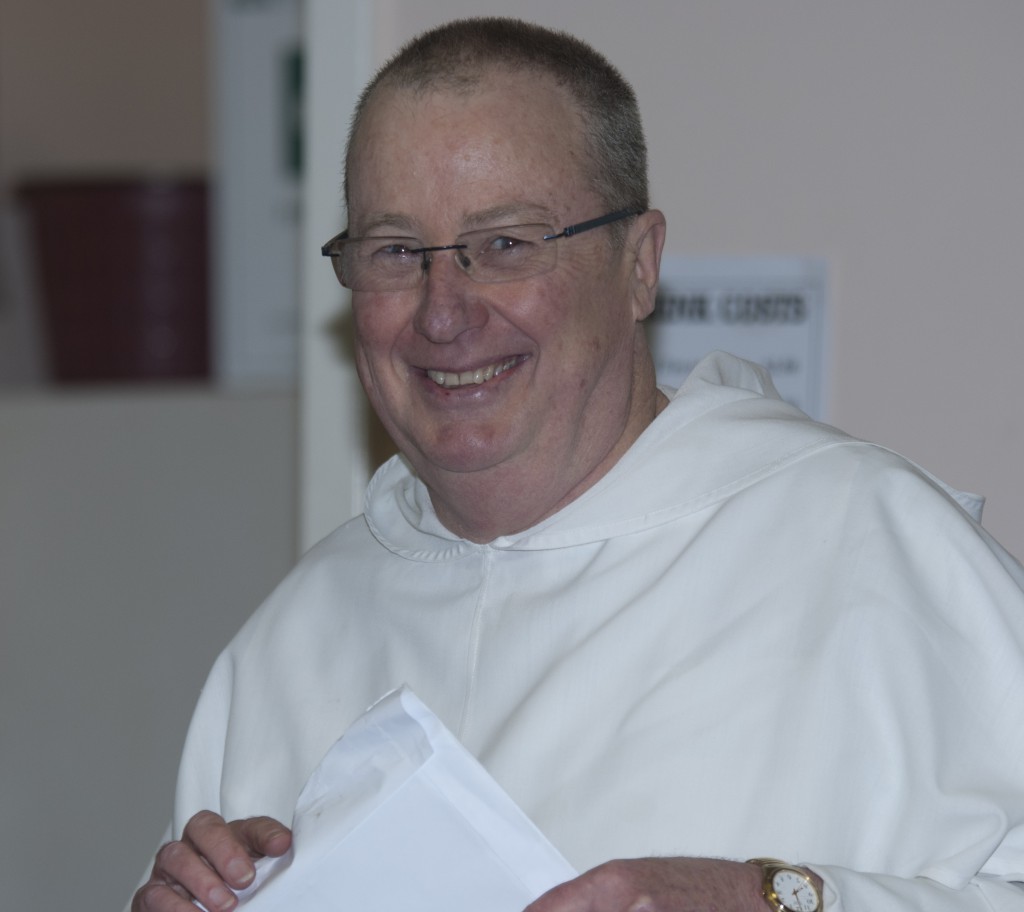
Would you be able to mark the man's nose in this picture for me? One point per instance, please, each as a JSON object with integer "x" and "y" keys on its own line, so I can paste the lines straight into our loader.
{"x": 450, "y": 301}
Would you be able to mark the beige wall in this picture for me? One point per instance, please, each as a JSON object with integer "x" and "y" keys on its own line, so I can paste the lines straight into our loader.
{"x": 137, "y": 528}
{"x": 102, "y": 86}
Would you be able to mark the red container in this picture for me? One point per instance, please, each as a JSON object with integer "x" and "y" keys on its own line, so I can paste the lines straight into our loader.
{"x": 122, "y": 270}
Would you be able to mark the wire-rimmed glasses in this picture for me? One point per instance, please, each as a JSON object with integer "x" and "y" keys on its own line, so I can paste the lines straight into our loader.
{"x": 506, "y": 253}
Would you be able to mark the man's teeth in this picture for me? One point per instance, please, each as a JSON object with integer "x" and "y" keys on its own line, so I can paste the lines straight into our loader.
{"x": 449, "y": 379}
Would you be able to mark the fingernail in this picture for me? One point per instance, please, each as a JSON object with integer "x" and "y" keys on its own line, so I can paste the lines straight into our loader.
{"x": 240, "y": 872}
{"x": 222, "y": 898}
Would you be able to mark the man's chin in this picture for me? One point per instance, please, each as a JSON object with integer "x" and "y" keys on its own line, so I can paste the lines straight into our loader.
{"x": 461, "y": 454}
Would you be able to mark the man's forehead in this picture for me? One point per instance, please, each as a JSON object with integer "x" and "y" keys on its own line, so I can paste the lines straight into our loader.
{"x": 407, "y": 143}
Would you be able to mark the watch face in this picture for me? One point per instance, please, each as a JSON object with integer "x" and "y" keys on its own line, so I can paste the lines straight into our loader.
{"x": 794, "y": 891}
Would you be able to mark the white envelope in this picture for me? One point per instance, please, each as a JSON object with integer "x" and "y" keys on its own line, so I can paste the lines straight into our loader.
{"x": 400, "y": 816}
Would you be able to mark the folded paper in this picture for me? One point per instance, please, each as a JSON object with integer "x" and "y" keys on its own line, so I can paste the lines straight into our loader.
{"x": 399, "y": 815}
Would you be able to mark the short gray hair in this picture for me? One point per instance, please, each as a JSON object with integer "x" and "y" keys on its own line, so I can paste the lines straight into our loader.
{"x": 457, "y": 55}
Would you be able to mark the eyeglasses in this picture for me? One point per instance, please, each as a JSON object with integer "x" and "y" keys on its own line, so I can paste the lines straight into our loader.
{"x": 491, "y": 255}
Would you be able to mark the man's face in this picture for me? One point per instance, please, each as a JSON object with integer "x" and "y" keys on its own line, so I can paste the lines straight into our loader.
{"x": 560, "y": 345}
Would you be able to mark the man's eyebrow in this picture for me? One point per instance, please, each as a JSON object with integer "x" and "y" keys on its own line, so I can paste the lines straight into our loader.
{"x": 509, "y": 214}
{"x": 396, "y": 225}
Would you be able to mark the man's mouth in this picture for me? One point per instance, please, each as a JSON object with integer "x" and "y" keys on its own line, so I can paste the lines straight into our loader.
{"x": 451, "y": 379}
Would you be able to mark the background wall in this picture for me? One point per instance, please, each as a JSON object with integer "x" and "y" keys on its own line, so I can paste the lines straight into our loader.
{"x": 885, "y": 138}
{"x": 103, "y": 86}
{"x": 138, "y": 526}
{"x": 137, "y": 531}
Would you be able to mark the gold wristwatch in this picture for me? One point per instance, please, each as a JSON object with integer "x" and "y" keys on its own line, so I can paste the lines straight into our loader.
{"x": 787, "y": 889}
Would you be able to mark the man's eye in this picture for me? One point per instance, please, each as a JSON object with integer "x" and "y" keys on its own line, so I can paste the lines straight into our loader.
{"x": 391, "y": 251}
{"x": 506, "y": 244}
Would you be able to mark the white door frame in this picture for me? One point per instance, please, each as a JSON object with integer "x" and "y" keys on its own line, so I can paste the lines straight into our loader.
{"x": 332, "y": 438}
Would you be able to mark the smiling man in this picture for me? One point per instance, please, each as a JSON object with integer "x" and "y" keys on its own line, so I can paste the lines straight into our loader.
{"x": 693, "y": 624}
{"x": 509, "y": 393}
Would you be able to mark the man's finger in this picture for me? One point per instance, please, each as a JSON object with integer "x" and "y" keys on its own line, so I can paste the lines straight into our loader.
{"x": 262, "y": 836}
{"x": 160, "y": 897}
{"x": 180, "y": 874}
{"x": 228, "y": 853}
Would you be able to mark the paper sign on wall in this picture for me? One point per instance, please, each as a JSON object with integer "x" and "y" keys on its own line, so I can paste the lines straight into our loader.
{"x": 767, "y": 310}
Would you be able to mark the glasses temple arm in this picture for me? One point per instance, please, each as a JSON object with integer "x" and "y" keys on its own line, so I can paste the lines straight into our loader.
{"x": 596, "y": 223}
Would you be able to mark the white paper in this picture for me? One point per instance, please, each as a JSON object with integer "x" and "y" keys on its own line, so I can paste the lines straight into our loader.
{"x": 399, "y": 815}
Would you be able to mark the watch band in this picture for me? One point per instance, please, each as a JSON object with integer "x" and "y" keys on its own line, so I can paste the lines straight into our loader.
{"x": 794, "y": 891}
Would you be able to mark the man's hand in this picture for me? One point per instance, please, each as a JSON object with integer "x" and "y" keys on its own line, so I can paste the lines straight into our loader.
{"x": 659, "y": 885}
{"x": 210, "y": 857}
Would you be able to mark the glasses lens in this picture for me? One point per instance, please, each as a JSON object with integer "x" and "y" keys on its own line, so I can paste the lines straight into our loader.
{"x": 490, "y": 255}
{"x": 509, "y": 253}
{"x": 378, "y": 264}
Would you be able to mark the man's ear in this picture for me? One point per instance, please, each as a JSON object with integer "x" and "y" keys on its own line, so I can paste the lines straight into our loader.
{"x": 646, "y": 241}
